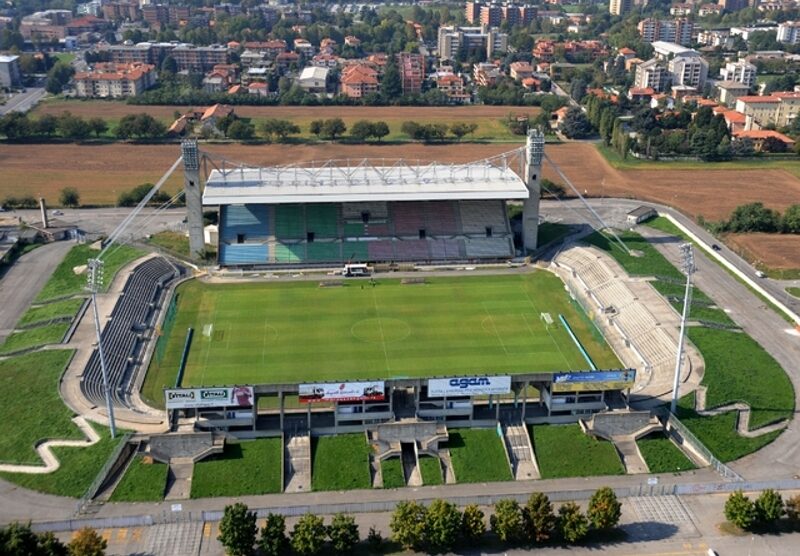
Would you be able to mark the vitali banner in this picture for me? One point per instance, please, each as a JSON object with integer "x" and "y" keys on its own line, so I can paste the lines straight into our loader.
{"x": 189, "y": 398}
{"x": 593, "y": 380}
{"x": 468, "y": 386}
{"x": 342, "y": 392}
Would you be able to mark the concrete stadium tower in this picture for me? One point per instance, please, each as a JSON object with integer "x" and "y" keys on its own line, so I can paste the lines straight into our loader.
{"x": 534, "y": 151}
{"x": 193, "y": 194}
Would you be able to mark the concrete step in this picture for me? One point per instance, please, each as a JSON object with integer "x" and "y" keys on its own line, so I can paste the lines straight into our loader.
{"x": 179, "y": 482}
{"x": 631, "y": 457}
{"x": 297, "y": 464}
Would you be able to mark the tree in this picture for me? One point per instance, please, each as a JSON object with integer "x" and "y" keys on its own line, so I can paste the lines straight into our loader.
{"x": 87, "y": 543}
{"x": 46, "y": 125}
{"x": 308, "y": 535}
{"x": 539, "y": 518}
{"x": 391, "y": 84}
{"x": 408, "y": 524}
{"x": 18, "y": 540}
{"x": 769, "y": 507}
{"x": 473, "y": 526}
{"x": 740, "y": 510}
{"x": 49, "y": 545}
{"x": 139, "y": 126}
{"x": 16, "y": 125}
{"x": 169, "y": 65}
{"x": 753, "y": 217}
{"x": 361, "y": 130}
{"x": 411, "y": 129}
{"x": 604, "y": 509}
{"x": 273, "y": 541}
{"x": 98, "y": 126}
{"x": 374, "y": 540}
{"x": 442, "y": 526}
{"x": 507, "y": 522}
{"x": 773, "y": 145}
{"x": 69, "y": 197}
{"x": 333, "y": 128}
{"x": 315, "y": 127}
{"x": 343, "y": 533}
{"x": 237, "y": 530}
{"x": 241, "y": 131}
{"x": 576, "y": 125}
{"x": 58, "y": 77}
{"x": 73, "y": 127}
{"x": 279, "y": 129}
{"x": 380, "y": 130}
{"x": 461, "y": 129}
{"x": 793, "y": 509}
{"x": 572, "y": 524}
{"x": 791, "y": 220}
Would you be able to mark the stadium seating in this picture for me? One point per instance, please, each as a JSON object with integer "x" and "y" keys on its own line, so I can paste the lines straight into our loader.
{"x": 476, "y": 216}
{"x": 251, "y": 222}
{"x": 446, "y": 249}
{"x": 324, "y": 251}
{"x": 409, "y": 218}
{"x": 441, "y": 219}
{"x": 412, "y": 250}
{"x": 491, "y": 247}
{"x": 290, "y": 222}
{"x": 133, "y": 314}
{"x": 353, "y": 211}
{"x": 322, "y": 220}
{"x": 355, "y": 251}
{"x": 381, "y": 250}
{"x": 243, "y": 253}
{"x": 289, "y": 252}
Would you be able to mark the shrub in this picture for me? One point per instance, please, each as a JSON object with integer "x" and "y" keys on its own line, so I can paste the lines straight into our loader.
{"x": 408, "y": 524}
{"x": 442, "y": 526}
{"x": 793, "y": 509}
{"x": 69, "y": 197}
{"x": 572, "y": 524}
{"x": 507, "y": 522}
{"x": 740, "y": 510}
{"x": 87, "y": 543}
{"x": 473, "y": 526}
{"x": 237, "y": 530}
{"x": 539, "y": 518}
{"x": 308, "y": 535}
{"x": 769, "y": 507}
{"x": 604, "y": 509}
{"x": 374, "y": 540}
{"x": 273, "y": 541}
{"x": 343, "y": 533}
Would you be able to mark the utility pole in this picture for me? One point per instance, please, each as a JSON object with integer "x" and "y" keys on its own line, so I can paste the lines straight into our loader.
{"x": 688, "y": 269}
{"x": 95, "y": 282}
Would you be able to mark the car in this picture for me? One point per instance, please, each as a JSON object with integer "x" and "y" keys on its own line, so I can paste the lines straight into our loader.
{"x": 716, "y": 247}
{"x": 760, "y": 274}
{"x": 57, "y": 213}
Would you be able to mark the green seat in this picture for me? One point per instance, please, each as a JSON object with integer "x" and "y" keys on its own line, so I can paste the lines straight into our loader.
{"x": 317, "y": 251}
{"x": 323, "y": 220}
{"x": 289, "y": 222}
{"x": 356, "y": 251}
{"x": 353, "y": 229}
{"x": 289, "y": 253}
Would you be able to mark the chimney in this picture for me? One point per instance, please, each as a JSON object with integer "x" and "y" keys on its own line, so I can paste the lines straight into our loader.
{"x": 43, "y": 208}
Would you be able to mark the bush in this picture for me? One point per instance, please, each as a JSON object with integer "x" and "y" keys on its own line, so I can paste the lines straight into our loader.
{"x": 374, "y": 540}
{"x": 408, "y": 524}
{"x": 753, "y": 217}
{"x": 69, "y": 197}
{"x": 273, "y": 541}
{"x": 507, "y": 522}
{"x": 442, "y": 526}
{"x": 740, "y": 510}
{"x": 87, "y": 543}
{"x": 343, "y": 533}
{"x": 237, "y": 530}
{"x": 572, "y": 524}
{"x": 18, "y": 539}
{"x": 539, "y": 518}
{"x": 473, "y": 526}
{"x": 308, "y": 535}
{"x": 793, "y": 509}
{"x": 279, "y": 129}
{"x": 604, "y": 509}
{"x": 769, "y": 507}
{"x": 137, "y": 194}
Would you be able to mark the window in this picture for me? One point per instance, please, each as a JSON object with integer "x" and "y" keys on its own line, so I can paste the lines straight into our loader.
{"x": 310, "y": 237}
{"x": 422, "y": 233}
{"x": 239, "y": 238}
{"x": 488, "y": 231}
{"x": 365, "y": 217}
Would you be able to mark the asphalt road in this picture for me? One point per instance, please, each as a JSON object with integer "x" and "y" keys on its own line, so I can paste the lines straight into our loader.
{"x": 103, "y": 221}
{"x": 22, "y": 102}
{"x": 22, "y": 281}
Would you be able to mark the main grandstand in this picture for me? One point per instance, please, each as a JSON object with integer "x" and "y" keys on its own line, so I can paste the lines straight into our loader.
{"x": 376, "y": 211}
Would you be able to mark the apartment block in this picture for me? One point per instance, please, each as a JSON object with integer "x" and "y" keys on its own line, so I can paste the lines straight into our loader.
{"x": 109, "y": 80}
{"x": 412, "y": 72}
{"x": 741, "y": 72}
{"x": 456, "y": 41}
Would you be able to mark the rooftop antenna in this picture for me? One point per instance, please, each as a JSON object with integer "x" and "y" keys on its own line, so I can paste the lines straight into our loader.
{"x": 688, "y": 269}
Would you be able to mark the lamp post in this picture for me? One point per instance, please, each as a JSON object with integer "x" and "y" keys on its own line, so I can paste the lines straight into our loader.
{"x": 95, "y": 282}
{"x": 688, "y": 269}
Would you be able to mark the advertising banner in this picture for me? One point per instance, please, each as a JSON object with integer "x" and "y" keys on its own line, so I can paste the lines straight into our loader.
{"x": 191, "y": 398}
{"x": 342, "y": 392}
{"x": 593, "y": 380}
{"x": 468, "y": 386}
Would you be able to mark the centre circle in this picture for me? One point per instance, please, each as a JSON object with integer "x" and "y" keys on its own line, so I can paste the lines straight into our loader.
{"x": 379, "y": 330}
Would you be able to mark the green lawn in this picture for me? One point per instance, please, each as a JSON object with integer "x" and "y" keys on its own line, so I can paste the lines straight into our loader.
{"x": 142, "y": 482}
{"x": 662, "y": 456}
{"x": 34, "y": 337}
{"x": 50, "y": 311}
{"x": 738, "y": 369}
{"x": 718, "y": 433}
{"x": 28, "y": 385}
{"x": 794, "y": 291}
{"x": 431, "y": 470}
{"x": 175, "y": 242}
{"x": 392, "y": 471}
{"x": 340, "y": 462}
{"x": 245, "y": 468}
{"x": 478, "y": 456}
{"x": 565, "y": 451}
{"x": 65, "y": 282}
{"x": 649, "y": 263}
{"x": 450, "y": 325}
{"x": 662, "y": 223}
{"x": 79, "y": 467}
{"x": 550, "y": 231}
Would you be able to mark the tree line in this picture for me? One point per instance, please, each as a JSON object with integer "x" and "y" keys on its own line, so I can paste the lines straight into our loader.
{"x": 762, "y": 514}
{"x": 17, "y": 126}
{"x": 437, "y": 528}
{"x": 20, "y": 540}
{"x": 755, "y": 217}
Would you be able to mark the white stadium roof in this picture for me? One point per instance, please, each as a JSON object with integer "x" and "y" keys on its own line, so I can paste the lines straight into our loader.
{"x": 363, "y": 181}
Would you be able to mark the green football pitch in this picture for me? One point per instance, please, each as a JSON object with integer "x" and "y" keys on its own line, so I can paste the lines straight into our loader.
{"x": 257, "y": 333}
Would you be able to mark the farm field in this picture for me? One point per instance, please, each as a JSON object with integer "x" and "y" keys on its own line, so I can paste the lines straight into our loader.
{"x": 565, "y": 451}
{"x": 340, "y": 462}
{"x": 478, "y": 456}
{"x": 776, "y": 254}
{"x": 256, "y": 333}
{"x": 246, "y": 467}
{"x": 662, "y": 456}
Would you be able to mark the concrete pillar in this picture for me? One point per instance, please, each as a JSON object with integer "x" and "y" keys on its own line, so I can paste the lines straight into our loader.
{"x": 281, "y": 403}
{"x": 534, "y": 150}
{"x": 308, "y": 417}
{"x": 524, "y": 400}
{"x": 193, "y": 194}
{"x": 255, "y": 410}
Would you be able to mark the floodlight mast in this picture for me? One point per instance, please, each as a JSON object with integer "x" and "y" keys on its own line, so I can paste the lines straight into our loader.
{"x": 689, "y": 269}
{"x": 94, "y": 283}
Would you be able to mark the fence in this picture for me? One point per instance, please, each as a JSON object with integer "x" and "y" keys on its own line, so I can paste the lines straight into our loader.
{"x": 91, "y": 492}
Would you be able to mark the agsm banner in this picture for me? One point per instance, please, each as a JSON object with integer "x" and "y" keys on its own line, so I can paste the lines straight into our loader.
{"x": 188, "y": 398}
{"x": 342, "y": 392}
{"x": 468, "y": 386}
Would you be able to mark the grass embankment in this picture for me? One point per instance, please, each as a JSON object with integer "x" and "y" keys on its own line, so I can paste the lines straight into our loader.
{"x": 456, "y": 325}
{"x": 245, "y": 468}
{"x": 34, "y": 337}
{"x": 478, "y": 456}
{"x": 65, "y": 282}
{"x": 28, "y": 384}
{"x": 392, "y": 471}
{"x": 662, "y": 456}
{"x": 175, "y": 242}
{"x": 551, "y": 231}
{"x": 565, "y": 451}
{"x": 791, "y": 165}
{"x": 431, "y": 470}
{"x": 143, "y": 482}
{"x": 340, "y": 462}
{"x": 41, "y": 314}
{"x": 794, "y": 291}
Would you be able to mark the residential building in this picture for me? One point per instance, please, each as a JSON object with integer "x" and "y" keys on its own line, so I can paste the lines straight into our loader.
{"x": 472, "y": 12}
{"x": 688, "y": 69}
{"x": 759, "y": 138}
{"x": 486, "y": 74}
{"x": 10, "y": 74}
{"x": 199, "y": 59}
{"x": 544, "y": 50}
{"x": 764, "y": 110}
{"x": 313, "y": 79}
{"x": 681, "y": 9}
{"x": 491, "y": 15}
{"x": 520, "y": 71}
{"x": 460, "y": 42}
{"x": 156, "y": 15}
{"x": 620, "y": 7}
{"x": 715, "y": 37}
{"x": 651, "y": 75}
{"x": 350, "y": 40}
{"x": 304, "y": 47}
{"x": 324, "y": 60}
{"x": 789, "y": 32}
{"x": 110, "y": 80}
{"x": 496, "y": 13}
{"x": 269, "y": 48}
{"x": 412, "y": 72}
{"x": 453, "y": 87}
{"x": 709, "y": 9}
{"x": 678, "y": 31}
{"x": 46, "y": 26}
{"x": 359, "y": 80}
{"x": 733, "y": 5}
{"x": 741, "y": 71}
{"x": 729, "y": 91}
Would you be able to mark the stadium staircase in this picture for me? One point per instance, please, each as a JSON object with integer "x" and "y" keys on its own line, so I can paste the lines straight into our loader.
{"x": 520, "y": 452}
{"x": 623, "y": 429}
{"x": 297, "y": 462}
